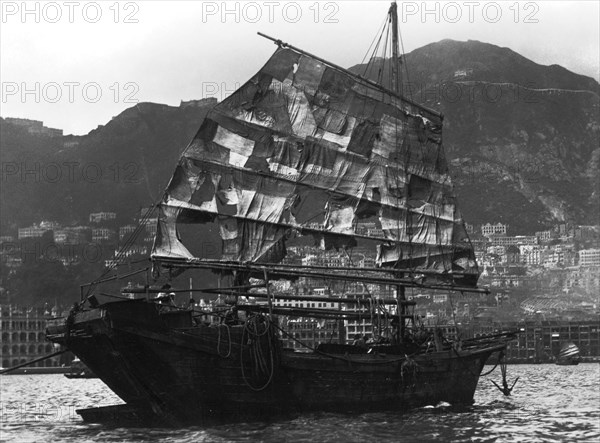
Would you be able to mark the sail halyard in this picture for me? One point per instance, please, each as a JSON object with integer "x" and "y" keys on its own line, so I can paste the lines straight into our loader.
{"x": 304, "y": 149}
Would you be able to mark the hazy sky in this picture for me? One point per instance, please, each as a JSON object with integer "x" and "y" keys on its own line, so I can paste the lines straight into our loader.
{"x": 76, "y": 64}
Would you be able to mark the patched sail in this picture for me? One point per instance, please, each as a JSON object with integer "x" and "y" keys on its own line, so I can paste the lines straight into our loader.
{"x": 308, "y": 149}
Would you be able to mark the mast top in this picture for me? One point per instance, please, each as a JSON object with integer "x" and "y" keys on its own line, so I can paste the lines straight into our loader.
{"x": 360, "y": 78}
{"x": 396, "y": 72}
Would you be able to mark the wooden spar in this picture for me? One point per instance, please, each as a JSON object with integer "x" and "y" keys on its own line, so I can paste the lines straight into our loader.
{"x": 286, "y": 273}
{"x": 396, "y": 81}
{"x": 356, "y": 76}
{"x": 236, "y": 290}
{"x": 339, "y": 268}
{"x": 344, "y": 300}
{"x": 310, "y": 312}
{"x": 294, "y": 272}
{"x": 207, "y": 290}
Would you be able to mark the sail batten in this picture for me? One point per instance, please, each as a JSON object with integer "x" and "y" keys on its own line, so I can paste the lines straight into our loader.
{"x": 313, "y": 228}
{"x": 306, "y": 147}
{"x": 422, "y": 207}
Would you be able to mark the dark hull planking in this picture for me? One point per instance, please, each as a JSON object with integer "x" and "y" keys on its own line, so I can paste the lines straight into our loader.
{"x": 170, "y": 372}
{"x": 567, "y": 362}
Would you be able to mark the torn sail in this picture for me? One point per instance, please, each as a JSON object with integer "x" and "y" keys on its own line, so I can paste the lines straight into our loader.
{"x": 307, "y": 149}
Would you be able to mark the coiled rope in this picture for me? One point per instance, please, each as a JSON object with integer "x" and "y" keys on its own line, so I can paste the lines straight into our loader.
{"x": 251, "y": 336}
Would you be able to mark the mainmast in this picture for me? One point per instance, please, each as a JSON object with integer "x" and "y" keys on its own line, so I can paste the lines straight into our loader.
{"x": 396, "y": 60}
{"x": 397, "y": 88}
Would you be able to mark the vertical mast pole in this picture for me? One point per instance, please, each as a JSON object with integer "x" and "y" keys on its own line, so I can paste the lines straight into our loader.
{"x": 396, "y": 87}
{"x": 396, "y": 71}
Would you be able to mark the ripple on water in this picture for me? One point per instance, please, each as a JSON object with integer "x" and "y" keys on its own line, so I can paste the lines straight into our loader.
{"x": 549, "y": 403}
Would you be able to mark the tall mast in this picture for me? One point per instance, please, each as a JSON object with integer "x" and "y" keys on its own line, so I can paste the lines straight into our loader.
{"x": 397, "y": 88}
{"x": 396, "y": 61}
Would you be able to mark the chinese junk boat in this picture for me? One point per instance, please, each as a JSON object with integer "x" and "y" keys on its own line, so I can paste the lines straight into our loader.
{"x": 568, "y": 355}
{"x": 312, "y": 177}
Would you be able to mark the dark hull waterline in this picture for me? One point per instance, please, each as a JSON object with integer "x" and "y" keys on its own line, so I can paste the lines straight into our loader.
{"x": 169, "y": 371}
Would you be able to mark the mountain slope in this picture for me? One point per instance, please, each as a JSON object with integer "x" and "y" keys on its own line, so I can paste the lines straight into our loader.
{"x": 523, "y": 140}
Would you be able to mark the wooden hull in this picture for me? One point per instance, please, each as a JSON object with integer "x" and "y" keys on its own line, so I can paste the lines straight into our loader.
{"x": 573, "y": 362}
{"x": 168, "y": 370}
{"x": 80, "y": 375}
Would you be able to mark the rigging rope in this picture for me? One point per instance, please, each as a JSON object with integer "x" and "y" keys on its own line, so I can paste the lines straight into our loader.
{"x": 403, "y": 62}
{"x": 251, "y": 335}
{"x": 128, "y": 243}
{"x": 379, "y": 33}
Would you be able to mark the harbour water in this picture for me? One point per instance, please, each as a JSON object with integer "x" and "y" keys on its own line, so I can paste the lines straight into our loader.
{"x": 549, "y": 403}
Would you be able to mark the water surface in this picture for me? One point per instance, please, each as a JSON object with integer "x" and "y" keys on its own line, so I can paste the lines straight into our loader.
{"x": 549, "y": 403}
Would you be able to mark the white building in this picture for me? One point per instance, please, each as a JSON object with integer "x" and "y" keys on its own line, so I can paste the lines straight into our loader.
{"x": 98, "y": 217}
{"x": 102, "y": 234}
{"x": 497, "y": 229}
{"x": 126, "y": 231}
{"x": 513, "y": 241}
{"x": 31, "y": 232}
{"x": 589, "y": 257}
{"x": 530, "y": 254}
{"x": 543, "y": 235}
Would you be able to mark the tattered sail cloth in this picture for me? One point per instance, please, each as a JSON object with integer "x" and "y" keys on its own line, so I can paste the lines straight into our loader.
{"x": 306, "y": 148}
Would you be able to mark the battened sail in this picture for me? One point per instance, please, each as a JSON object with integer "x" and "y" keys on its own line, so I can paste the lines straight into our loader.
{"x": 568, "y": 350}
{"x": 305, "y": 149}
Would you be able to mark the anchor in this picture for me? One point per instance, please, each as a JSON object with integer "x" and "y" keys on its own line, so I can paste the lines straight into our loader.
{"x": 504, "y": 389}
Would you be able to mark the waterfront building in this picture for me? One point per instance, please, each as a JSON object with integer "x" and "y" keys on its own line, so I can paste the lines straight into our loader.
{"x": 303, "y": 332}
{"x": 539, "y": 341}
{"x": 310, "y": 331}
{"x": 362, "y": 327}
{"x": 24, "y": 336}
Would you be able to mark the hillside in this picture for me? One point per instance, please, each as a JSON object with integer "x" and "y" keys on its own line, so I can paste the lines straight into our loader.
{"x": 523, "y": 140}
{"x": 119, "y": 167}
